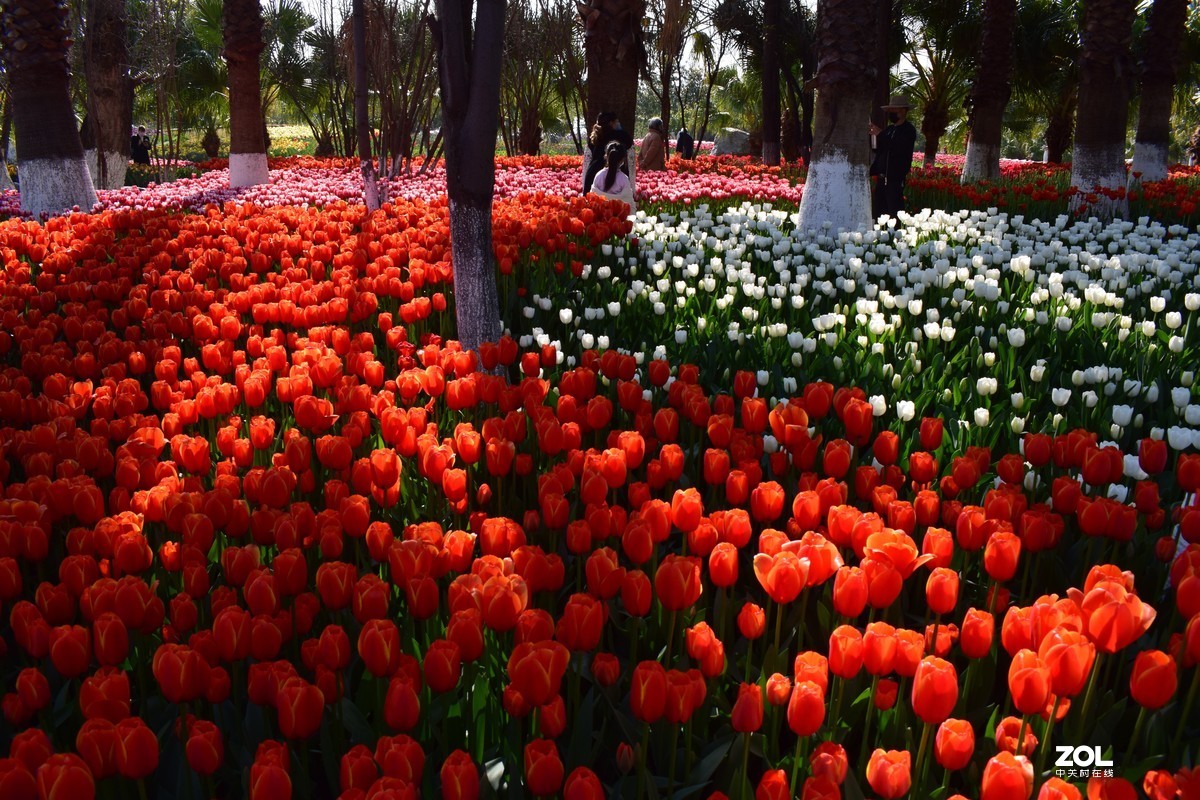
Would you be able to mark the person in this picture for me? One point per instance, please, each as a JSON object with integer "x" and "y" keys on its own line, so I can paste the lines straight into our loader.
{"x": 139, "y": 146}
{"x": 610, "y": 181}
{"x": 652, "y": 155}
{"x": 606, "y": 130}
{"x": 893, "y": 157}
{"x": 685, "y": 145}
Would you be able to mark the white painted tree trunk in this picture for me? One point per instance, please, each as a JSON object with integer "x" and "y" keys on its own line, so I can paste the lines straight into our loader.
{"x": 837, "y": 193}
{"x": 370, "y": 188}
{"x": 48, "y": 185}
{"x": 476, "y": 302}
{"x": 1092, "y": 170}
{"x": 116, "y": 166}
{"x": 6, "y": 184}
{"x": 982, "y": 163}
{"x": 247, "y": 169}
{"x": 1149, "y": 163}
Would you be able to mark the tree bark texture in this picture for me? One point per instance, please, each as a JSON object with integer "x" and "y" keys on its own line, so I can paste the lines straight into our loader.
{"x": 837, "y": 192}
{"x": 469, "y": 76}
{"x": 1105, "y": 82}
{"x": 882, "y": 11}
{"x": 110, "y": 91}
{"x": 990, "y": 90}
{"x": 35, "y": 48}
{"x": 934, "y": 121}
{"x": 362, "y": 120}
{"x": 242, "y": 24}
{"x": 615, "y": 54}
{"x": 1060, "y": 130}
{"x": 1159, "y": 71}
{"x": 770, "y": 83}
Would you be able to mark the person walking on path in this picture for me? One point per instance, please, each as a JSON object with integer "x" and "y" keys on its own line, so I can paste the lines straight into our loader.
{"x": 652, "y": 155}
{"x": 685, "y": 145}
{"x": 893, "y": 157}
{"x": 606, "y": 130}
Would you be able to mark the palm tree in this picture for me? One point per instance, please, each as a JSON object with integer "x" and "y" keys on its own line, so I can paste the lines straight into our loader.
{"x": 362, "y": 120}
{"x": 110, "y": 92}
{"x": 469, "y": 59}
{"x": 990, "y": 91}
{"x": 837, "y": 192}
{"x": 943, "y": 37}
{"x": 242, "y": 28}
{"x": 615, "y": 54}
{"x": 1160, "y": 64}
{"x": 1098, "y": 162}
{"x": 770, "y": 82}
{"x": 1046, "y": 73}
{"x": 35, "y": 46}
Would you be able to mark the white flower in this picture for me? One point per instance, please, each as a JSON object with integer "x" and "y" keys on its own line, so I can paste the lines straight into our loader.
{"x": 1016, "y": 337}
{"x": 1017, "y": 425}
{"x": 906, "y": 410}
{"x": 1180, "y": 396}
{"x": 982, "y": 417}
{"x": 1060, "y": 397}
{"x": 1037, "y": 372}
{"x": 1179, "y": 438}
{"x": 1122, "y": 415}
{"x": 878, "y": 405}
{"x": 1018, "y": 400}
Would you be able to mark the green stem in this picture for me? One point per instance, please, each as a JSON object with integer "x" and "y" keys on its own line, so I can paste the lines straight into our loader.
{"x": 1137, "y": 732}
{"x": 921, "y": 752}
{"x": 1187, "y": 708}
{"x": 1091, "y": 690}
{"x": 643, "y": 757}
{"x": 1046, "y": 736}
{"x": 796, "y": 763}
{"x": 866, "y": 737}
{"x": 744, "y": 785}
{"x": 671, "y": 760}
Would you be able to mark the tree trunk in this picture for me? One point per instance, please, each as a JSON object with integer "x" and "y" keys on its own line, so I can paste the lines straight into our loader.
{"x": 242, "y": 29}
{"x": 469, "y": 76}
{"x": 1098, "y": 162}
{"x": 1060, "y": 131}
{"x": 614, "y": 51}
{"x": 1160, "y": 63}
{"x": 990, "y": 91}
{"x": 881, "y": 12}
{"x": 770, "y": 83}
{"x": 837, "y": 192}
{"x": 664, "y": 113}
{"x": 935, "y": 118}
{"x": 1194, "y": 148}
{"x": 35, "y": 47}
{"x": 362, "y": 120}
{"x": 6, "y": 184}
{"x": 529, "y": 133}
{"x": 110, "y": 92}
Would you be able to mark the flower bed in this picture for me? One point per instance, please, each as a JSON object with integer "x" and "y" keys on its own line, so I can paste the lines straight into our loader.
{"x": 267, "y": 532}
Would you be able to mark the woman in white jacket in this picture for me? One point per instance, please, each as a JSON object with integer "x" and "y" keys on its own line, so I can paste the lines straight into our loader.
{"x": 610, "y": 181}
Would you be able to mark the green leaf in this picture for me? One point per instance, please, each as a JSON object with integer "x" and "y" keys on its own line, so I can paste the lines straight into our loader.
{"x": 352, "y": 717}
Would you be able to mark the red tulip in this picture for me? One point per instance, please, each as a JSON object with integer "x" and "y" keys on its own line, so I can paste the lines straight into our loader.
{"x": 889, "y": 772}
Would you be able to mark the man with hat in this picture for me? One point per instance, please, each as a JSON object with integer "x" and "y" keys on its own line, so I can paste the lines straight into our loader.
{"x": 893, "y": 157}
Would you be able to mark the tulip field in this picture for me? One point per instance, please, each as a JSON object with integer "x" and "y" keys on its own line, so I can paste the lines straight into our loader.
{"x": 731, "y": 511}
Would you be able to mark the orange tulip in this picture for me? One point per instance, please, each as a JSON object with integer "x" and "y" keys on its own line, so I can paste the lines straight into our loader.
{"x": 889, "y": 772}
{"x": 1007, "y": 777}
{"x": 1154, "y": 679}
{"x": 782, "y": 575}
{"x": 954, "y": 744}
{"x": 1069, "y": 657}
{"x": 1114, "y": 617}
{"x": 1029, "y": 682}
{"x": 935, "y": 690}
{"x": 747, "y": 714}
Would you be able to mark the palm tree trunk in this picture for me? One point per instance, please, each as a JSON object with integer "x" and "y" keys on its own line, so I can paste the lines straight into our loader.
{"x": 770, "y": 83}
{"x": 1098, "y": 162}
{"x": 1160, "y": 62}
{"x": 362, "y": 120}
{"x": 35, "y": 47}
{"x": 614, "y": 51}
{"x": 883, "y": 11}
{"x": 990, "y": 91}
{"x": 935, "y": 118}
{"x": 243, "y": 26}
{"x": 110, "y": 92}
{"x": 1060, "y": 129}
{"x": 837, "y": 192}
{"x": 469, "y": 73}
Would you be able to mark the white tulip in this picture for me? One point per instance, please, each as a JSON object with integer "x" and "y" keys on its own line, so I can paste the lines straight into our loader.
{"x": 1060, "y": 397}
{"x": 982, "y": 417}
{"x": 906, "y": 410}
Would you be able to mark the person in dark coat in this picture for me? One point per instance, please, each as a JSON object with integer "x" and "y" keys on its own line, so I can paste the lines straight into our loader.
{"x": 607, "y": 129}
{"x": 685, "y": 145}
{"x": 893, "y": 157}
{"x": 139, "y": 146}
